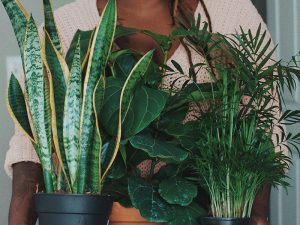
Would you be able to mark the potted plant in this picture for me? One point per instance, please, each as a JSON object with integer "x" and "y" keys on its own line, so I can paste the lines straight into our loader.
{"x": 60, "y": 111}
{"x": 89, "y": 108}
{"x": 237, "y": 114}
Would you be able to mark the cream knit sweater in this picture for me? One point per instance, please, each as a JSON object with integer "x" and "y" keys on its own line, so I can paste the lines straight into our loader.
{"x": 226, "y": 16}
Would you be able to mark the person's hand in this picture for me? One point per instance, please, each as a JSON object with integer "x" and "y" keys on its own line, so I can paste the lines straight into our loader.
{"x": 27, "y": 179}
{"x": 259, "y": 221}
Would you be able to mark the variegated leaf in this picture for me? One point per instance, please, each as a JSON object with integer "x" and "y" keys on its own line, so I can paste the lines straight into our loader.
{"x": 35, "y": 91}
{"x": 58, "y": 72}
{"x": 100, "y": 49}
{"x": 71, "y": 120}
{"x": 18, "y": 18}
{"x": 131, "y": 82}
{"x": 50, "y": 25}
{"x": 17, "y": 107}
{"x": 95, "y": 157}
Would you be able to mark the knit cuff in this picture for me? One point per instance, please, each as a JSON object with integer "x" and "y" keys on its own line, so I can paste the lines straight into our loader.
{"x": 20, "y": 150}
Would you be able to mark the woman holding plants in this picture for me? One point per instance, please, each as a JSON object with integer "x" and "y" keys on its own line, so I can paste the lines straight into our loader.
{"x": 159, "y": 17}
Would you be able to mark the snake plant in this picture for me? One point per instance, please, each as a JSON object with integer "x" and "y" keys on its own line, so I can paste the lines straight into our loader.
{"x": 62, "y": 105}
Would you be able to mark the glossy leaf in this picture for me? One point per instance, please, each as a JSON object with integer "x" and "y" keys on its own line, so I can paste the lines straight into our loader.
{"x": 131, "y": 82}
{"x": 34, "y": 85}
{"x": 178, "y": 191}
{"x": 18, "y": 18}
{"x": 188, "y": 215}
{"x": 17, "y": 107}
{"x": 157, "y": 148}
{"x": 71, "y": 120}
{"x": 50, "y": 25}
{"x": 145, "y": 198}
{"x": 100, "y": 49}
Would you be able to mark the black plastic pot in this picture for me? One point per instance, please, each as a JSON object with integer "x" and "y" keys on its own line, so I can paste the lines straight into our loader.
{"x": 224, "y": 221}
{"x": 64, "y": 209}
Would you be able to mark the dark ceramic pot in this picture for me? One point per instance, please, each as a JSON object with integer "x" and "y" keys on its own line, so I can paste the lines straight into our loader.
{"x": 69, "y": 209}
{"x": 224, "y": 221}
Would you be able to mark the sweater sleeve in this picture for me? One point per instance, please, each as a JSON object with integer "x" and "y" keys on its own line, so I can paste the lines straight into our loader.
{"x": 69, "y": 18}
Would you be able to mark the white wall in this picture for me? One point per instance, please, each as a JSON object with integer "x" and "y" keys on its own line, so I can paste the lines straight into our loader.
{"x": 8, "y": 47}
{"x": 284, "y": 23}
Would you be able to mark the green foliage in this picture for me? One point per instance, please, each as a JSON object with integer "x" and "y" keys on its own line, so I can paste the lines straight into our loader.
{"x": 178, "y": 191}
{"x": 234, "y": 153}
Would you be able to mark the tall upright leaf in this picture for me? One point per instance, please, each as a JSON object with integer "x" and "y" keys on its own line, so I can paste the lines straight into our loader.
{"x": 50, "y": 25}
{"x": 131, "y": 82}
{"x": 35, "y": 87}
{"x": 71, "y": 119}
{"x": 59, "y": 72}
{"x": 18, "y": 18}
{"x": 95, "y": 157}
{"x": 17, "y": 107}
{"x": 100, "y": 49}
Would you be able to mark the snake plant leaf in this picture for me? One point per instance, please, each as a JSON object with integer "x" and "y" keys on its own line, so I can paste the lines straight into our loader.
{"x": 100, "y": 49}
{"x": 18, "y": 18}
{"x": 187, "y": 215}
{"x": 127, "y": 92}
{"x": 146, "y": 199}
{"x": 37, "y": 97}
{"x": 17, "y": 107}
{"x": 47, "y": 119}
{"x": 85, "y": 44}
{"x": 178, "y": 191}
{"x": 59, "y": 73}
{"x": 50, "y": 25}
{"x": 95, "y": 157}
{"x": 71, "y": 120}
{"x": 157, "y": 148}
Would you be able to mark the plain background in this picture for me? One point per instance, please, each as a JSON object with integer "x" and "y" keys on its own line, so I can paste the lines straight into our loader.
{"x": 283, "y": 24}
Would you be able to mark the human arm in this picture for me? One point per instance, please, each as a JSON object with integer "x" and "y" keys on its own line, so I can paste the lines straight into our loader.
{"x": 27, "y": 180}
{"x": 260, "y": 210}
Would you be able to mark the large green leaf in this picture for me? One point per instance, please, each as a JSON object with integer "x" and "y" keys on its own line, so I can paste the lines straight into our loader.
{"x": 18, "y": 18}
{"x": 17, "y": 107}
{"x": 123, "y": 62}
{"x": 50, "y": 25}
{"x": 187, "y": 215}
{"x": 71, "y": 120}
{"x": 35, "y": 90}
{"x": 127, "y": 92}
{"x": 157, "y": 148}
{"x": 145, "y": 107}
{"x": 178, "y": 191}
{"x": 146, "y": 199}
{"x": 100, "y": 49}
